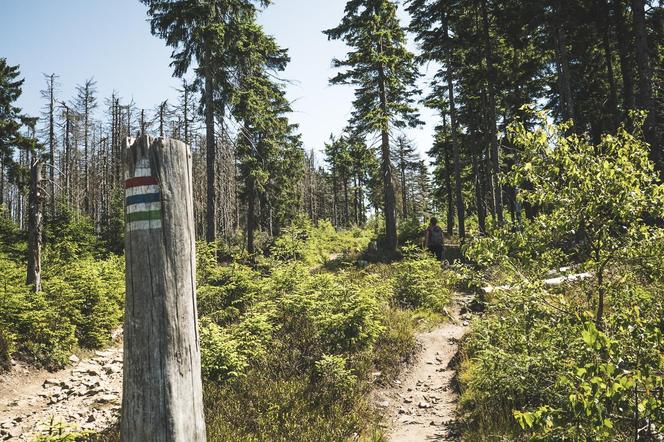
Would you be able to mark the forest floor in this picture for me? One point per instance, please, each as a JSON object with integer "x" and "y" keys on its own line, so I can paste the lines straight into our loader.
{"x": 84, "y": 397}
{"x": 422, "y": 405}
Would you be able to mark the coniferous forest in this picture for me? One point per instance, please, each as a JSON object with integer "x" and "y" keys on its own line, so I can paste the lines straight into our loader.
{"x": 323, "y": 312}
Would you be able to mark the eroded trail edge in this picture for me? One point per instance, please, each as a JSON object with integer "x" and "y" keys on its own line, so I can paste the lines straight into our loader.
{"x": 421, "y": 405}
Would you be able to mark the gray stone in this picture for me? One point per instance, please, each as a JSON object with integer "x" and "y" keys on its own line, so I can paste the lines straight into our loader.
{"x": 49, "y": 382}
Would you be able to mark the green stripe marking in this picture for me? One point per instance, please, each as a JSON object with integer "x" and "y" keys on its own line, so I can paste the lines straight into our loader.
{"x": 150, "y": 215}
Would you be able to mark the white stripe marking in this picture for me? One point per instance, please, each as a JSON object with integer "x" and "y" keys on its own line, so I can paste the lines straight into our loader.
{"x": 144, "y": 225}
{"x": 142, "y": 171}
{"x": 141, "y": 190}
{"x": 143, "y": 207}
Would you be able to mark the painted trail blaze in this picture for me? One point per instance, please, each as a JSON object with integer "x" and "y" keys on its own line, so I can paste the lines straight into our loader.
{"x": 143, "y": 200}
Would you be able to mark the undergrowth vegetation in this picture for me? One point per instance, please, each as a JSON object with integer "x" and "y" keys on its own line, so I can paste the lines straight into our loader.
{"x": 81, "y": 302}
{"x": 581, "y": 360}
{"x": 293, "y": 340}
{"x": 292, "y": 346}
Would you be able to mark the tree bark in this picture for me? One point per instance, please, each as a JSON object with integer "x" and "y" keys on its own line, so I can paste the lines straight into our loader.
{"x": 251, "y": 214}
{"x": 612, "y": 103}
{"x": 479, "y": 203}
{"x": 460, "y": 209}
{"x": 402, "y": 176}
{"x": 162, "y": 388}
{"x": 496, "y": 187}
{"x": 448, "y": 190}
{"x": 564, "y": 80}
{"x": 35, "y": 226}
{"x": 211, "y": 153}
{"x": 68, "y": 168}
{"x": 645, "y": 98}
{"x": 346, "y": 210}
{"x": 51, "y": 141}
{"x": 386, "y": 166}
{"x": 623, "y": 39}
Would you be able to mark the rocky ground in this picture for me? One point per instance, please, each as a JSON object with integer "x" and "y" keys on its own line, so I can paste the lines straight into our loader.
{"x": 84, "y": 397}
{"x": 421, "y": 405}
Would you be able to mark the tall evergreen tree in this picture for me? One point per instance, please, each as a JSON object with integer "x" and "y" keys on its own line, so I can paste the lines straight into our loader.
{"x": 204, "y": 31}
{"x": 12, "y": 121}
{"x": 384, "y": 73}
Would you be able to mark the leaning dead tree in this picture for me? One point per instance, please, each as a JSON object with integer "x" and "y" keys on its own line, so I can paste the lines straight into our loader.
{"x": 162, "y": 390}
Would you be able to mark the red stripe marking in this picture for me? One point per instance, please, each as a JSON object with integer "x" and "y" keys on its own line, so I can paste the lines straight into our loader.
{"x": 140, "y": 181}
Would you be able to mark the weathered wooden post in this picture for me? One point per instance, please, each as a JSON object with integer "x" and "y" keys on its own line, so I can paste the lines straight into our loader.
{"x": 162, "y": 390}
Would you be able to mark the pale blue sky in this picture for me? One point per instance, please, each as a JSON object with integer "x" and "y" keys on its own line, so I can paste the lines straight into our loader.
{"x": 110, "y": 40}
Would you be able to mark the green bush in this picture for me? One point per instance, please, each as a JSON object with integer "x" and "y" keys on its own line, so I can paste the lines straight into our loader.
{"x": 420, "y": 282}
{"x": 228, "y": 291}
{"x": 91, "y": 294}
{"x": 80, "y": 305}
{"x": 581, "y": 361}
{"x": 29, "y": 323}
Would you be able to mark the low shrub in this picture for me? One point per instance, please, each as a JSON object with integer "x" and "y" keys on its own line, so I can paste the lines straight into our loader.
{"x": 420, "y": 282}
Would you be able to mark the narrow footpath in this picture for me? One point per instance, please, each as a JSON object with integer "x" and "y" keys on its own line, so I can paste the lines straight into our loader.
{"x": 422, "y": 405}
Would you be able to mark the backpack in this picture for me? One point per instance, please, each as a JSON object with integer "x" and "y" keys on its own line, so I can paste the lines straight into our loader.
{"x": 436, "y": 236}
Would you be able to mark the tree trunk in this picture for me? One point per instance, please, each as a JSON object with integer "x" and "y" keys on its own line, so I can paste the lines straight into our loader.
{"x": 68, "y": 168}
{"x": 612, "y": 103}
{"x": 35, "y": 226}
{"x": 251, "y": 214}
{"x": 211, "y": 153}
{"x": 162, "y": 396}
{"x": 386, "y": 166}
{"x": 335, "y": 197}
{"x": 51, "y": 142}
{"x": 447, "y": 179}
{"x": 644, "y": 99}
{"x": 86, "y": 179}
{"x": 402, "y": 173}
{"x": 496, "y": 187}
{"x": 2, "y": 185}
{"x": 479, "y": 203}
{"x": 346, "y": 211}
{"x": 623, "y": 39}
{"x": 455, "y": 145}
{"x": 562, "y": 58}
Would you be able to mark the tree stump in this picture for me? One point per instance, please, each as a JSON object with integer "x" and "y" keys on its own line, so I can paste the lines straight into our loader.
{"x": 162, "y": 390}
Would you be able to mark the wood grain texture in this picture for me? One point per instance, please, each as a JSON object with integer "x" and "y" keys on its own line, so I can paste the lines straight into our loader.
{"x": 162, "y": 390}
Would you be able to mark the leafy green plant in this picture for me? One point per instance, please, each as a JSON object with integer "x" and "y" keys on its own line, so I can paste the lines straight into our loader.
{"x": 420, "y": 282}
{"x": 597, "y": 196}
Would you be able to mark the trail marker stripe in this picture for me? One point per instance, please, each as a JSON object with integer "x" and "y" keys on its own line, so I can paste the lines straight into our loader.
{"x": 140, "y": 190}
{"x": 143, "y": 207}
{"x": 144, "y": 225}
{"x": 143, "y": 198}
{"x": 140, "y": 181}
{"x": 144, "y": 216}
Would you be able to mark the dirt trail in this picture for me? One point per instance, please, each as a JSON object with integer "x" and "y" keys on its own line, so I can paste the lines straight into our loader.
{"x": 422, "y": 406}
{"x": 85, "y": 396}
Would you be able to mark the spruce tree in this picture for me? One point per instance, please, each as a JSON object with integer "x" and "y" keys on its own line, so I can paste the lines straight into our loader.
{"x": 267, "y": 144}
{"x": 205, "y": 32}
{"x": 384, "y": 73}
{"x": 12, "y": 120}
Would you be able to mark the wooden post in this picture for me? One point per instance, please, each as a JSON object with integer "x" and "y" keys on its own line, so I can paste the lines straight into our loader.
{"x": 35, "y": 226}
{"x": 162, "y": 390}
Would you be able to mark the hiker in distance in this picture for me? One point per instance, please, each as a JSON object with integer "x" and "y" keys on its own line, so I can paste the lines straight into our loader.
{"x": 433, "y": 239}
